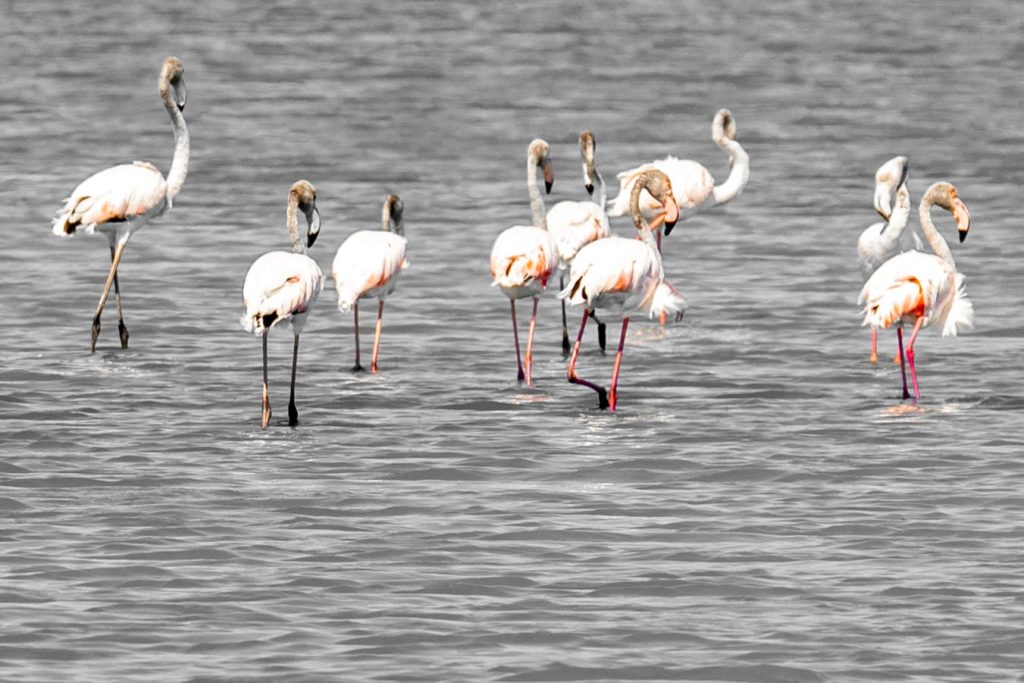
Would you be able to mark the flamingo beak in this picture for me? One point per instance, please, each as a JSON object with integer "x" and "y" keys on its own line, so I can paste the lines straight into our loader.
{"x": 314, "y": 227}
{"x": 671, "y": 214}
{"x": 590, "y": 189}
{"x": 882, "y": 201}
{"x": 962, "y": 217}
{"x": 549, "y": 177}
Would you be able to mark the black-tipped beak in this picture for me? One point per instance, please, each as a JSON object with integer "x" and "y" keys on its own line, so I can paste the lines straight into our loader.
{"x": 548, "y": 184}
{"x": 590, "y": 189}
{"x": 963, "y": 235}
{"x": 314, "y": 227}
{"x": 668, "y": 227}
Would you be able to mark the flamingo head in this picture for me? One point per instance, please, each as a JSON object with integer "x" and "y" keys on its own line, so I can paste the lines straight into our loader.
{"x": 304, "y": 195}
{"x": 659, "y": 187}
{"x": 539, "y": 153}
{"x": 723, "y": 126}
{"x": 946, "y": 196}
{"x": 172, "y": 79}
{"x": 587, "y": 146}
{"x": 889, "y": 176}
{"x": 392, "y": 213}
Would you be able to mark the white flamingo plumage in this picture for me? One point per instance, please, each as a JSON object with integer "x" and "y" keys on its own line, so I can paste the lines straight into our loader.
{"x": 576, "y": 224}
{"x": 367, "y": 265}
{"x": 922, "y": 289}
{"x": 524, "y": 257}
{"x": 121, "y": 199}
{"x": 282, "y": 286}
{"x": 624, "y": 274}
{"x": 692, "y": 184}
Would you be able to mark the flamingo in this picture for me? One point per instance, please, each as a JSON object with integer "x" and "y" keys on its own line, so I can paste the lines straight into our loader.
{"x": 881, "y": 241}
{"x": 923, "y": 289}
{"x": 121, "y": 199}
{"x": 576, "y": 224}
{"x": 693, "y": 185}
{"x": 624, "y": 274}
{"x": 367, "y": 265}
{"x": 282, "y": 285}
{"x": 524, "y": 256}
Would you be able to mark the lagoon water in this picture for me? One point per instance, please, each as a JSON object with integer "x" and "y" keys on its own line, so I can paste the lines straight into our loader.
{"x": 763, "y": 506}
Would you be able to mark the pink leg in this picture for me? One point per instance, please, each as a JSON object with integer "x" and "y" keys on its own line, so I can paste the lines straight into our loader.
{"x": 376, "y": 337}
{"x": 355, "y": 326}
{"x": 874, "y": 344}
{"x": 602, "y": 396}
{"x": 612, "y": 395}
{"x": 903, "y": 365}
{"x": 918, "y": 324}
{"x": 529, "y": 344}
{"x": 515, "y": 334}
{"x": 266, "y": 390}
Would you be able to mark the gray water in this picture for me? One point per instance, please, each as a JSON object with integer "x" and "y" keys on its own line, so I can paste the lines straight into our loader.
{"x": 762, "y": 506}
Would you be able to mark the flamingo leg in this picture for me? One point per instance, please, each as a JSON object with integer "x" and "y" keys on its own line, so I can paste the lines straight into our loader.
{"x": 122, "y": 329}
{"x": 918, "y": 324}
{"x": 355, "y": 327}
{"x": 874, "y": 344}
{"x": 529, "y": 343}
{"x": 903, "y": 365}
{"x": 293, "y": 413}
{"x": 602, "y": 336}
{"x": 376, "y": 337}
{"x": 612, "y": 395}
{"x": 602, "y": 396}
{"x": 266, "y": 388}
{"x": 111, "y": 276}
{"x": 515, "y": 335}
{"x": 565, "y": 321}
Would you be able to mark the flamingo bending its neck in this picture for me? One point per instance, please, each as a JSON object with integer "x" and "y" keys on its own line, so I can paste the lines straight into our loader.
{"x": 923, "y": 289}
{"x": 881, "y": 241}
{"x": 367, "y": 265}
{"x": 576, "y": 224}
{"x": 282, "y": 286}
{"x": 624, "y": 274}
{"x": 119, "y": 200}
{"x": 692, "y": 184}
{"x": 524, "y": 256}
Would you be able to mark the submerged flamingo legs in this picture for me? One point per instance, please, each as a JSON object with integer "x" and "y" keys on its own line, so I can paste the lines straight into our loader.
{"x": 612, "y": 392}
{"x": 602, "y": 396}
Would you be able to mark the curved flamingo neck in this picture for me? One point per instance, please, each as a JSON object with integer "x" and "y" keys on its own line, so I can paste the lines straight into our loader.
{"x": 179, "y": 164}
{"x": 644, "y": 231}
{"x": 935, "y": 240}
{"x": 739, "y": 170}
{"x": 536, "y": 200}
{"x": 893, "y": 230}
{"x": 602, "y": 191}
{"x": 293, "y": 224}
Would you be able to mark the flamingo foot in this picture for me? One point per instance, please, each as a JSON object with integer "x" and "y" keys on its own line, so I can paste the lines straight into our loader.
{"x": 601, "y": 336}
{"x": 874, "y": 358}
{"x": 566, "y": 346}
{"x": 293, "y": 415}
{"x": 602, "y": 399}
{"x": 356, "y": 368}
{"x": 373, "y": 368}
{"x": 95, "y": 332}
{"x": 122, "y": 331}
{"x": 266, "y": 409}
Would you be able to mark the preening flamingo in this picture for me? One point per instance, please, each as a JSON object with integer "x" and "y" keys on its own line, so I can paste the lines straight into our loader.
{"x": 119, "y": 200}
{"x": 923, "y": 289}
{"x": 692, "y": 184}
{"x": 576, "y": 224}
{"x": 367, "y": 265}
{"x": 282, "y": 286}
{"x": 624, "y": 274}
{"x": 881, "y": 241}
{"x": 524, "y": 256}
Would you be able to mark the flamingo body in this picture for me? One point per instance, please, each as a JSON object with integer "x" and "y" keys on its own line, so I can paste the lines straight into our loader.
{"x": 916, "y": 285}
{"x": 522, "y": 260}
{"x": 280, "y": 286}
{"x": 106, "y": 200}
{"x": 367, "y": 266}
